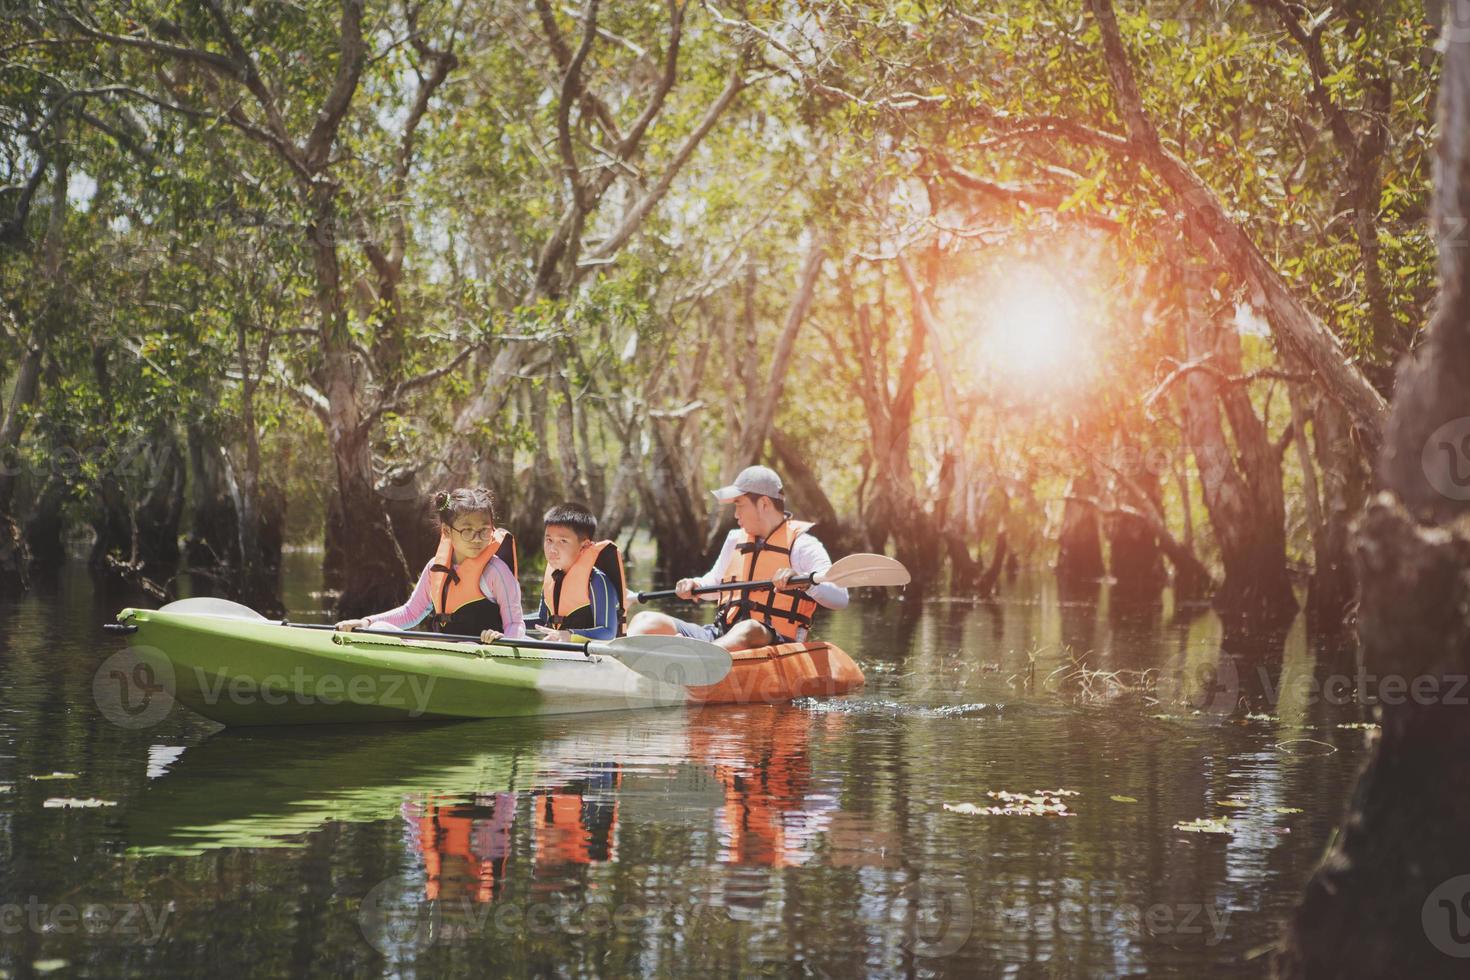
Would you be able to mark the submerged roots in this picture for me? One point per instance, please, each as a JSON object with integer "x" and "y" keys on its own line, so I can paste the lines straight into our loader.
{"x": 1077, "y": 682}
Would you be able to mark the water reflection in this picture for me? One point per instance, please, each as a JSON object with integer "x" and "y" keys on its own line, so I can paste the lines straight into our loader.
{"x": 802, "y": 838}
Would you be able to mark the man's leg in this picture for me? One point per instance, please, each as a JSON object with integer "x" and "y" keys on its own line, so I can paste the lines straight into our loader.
{"x": 746, "y": 635}
{"x": 658, "y": 624}
{"x": 652, "y": 623}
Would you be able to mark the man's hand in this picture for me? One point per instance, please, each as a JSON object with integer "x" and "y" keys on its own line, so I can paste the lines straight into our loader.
{"x": 630, "y": 598}
{"x": 560, "y": 636}
{"x": 490, "y": 636}
{"x": 684, "y": 588}
{"x": 348, "y": 625}
{"x": 782, "y": 580}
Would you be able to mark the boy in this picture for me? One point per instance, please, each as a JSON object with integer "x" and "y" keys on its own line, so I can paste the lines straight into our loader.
{"x": 582, "y": 592}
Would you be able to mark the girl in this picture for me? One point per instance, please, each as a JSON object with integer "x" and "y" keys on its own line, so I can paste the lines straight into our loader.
{"x": 469, "y": 587}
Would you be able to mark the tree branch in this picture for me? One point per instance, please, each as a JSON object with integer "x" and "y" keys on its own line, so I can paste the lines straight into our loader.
{"x": 352, "y": 57}
{"x": 639, "y": 211}
{"x": 1300, "y": 332}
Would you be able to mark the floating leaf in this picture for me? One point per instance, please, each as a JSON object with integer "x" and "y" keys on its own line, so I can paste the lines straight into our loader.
{"x": 1362, "y": 725}
{"x": 1042, "y": 803}
{"x": 48, "y": 966}
{"x": 1285, "y": 809}
{"x": 1122, "y": 799}
{"x": 56, "y": 775}
{"x": 72, "y": 803}
{"x": 1204, "y": 825}
{"x": 6, "y": 787}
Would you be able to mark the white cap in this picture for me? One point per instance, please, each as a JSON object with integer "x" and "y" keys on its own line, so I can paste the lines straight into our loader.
{"x": 753, "y": 479}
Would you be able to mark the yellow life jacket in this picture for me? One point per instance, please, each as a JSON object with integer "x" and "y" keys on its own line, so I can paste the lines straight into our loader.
{"x": 786, "y": 612}
{"x": 459, "y": 605}
{"x": 568, "y": 595}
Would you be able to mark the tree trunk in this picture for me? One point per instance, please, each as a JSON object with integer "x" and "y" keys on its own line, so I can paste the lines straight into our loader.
{"x": 1332, "y": 592}
{"x": 1136, "y": 562}
{"x": 15, "y": 555}
{"x": 42, "y": 526}
{"x": 374, "y": 575}
{"x": 213, "y": 541}
{"x": 1241, "y": 485}
{"x": 1390, "y": 897}
{"x": 1079, "y": 545}
{"x": 158, "y": 513}
{"x": 673, "y": 518}
{"x": 755, "y": 426}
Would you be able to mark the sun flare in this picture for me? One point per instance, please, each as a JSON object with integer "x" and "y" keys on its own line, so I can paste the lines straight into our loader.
{"x": 1031, "y": 331}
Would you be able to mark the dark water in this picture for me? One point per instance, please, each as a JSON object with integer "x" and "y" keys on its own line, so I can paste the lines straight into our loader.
{"x": 806, "y": 839}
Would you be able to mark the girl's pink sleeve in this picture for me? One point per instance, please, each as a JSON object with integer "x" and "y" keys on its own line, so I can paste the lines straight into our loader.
{"x": 498, "y": 583}
{"x": 412, "y": 612}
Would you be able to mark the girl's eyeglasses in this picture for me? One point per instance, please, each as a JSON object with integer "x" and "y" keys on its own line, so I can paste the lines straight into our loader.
{"x": 474, "y": 533}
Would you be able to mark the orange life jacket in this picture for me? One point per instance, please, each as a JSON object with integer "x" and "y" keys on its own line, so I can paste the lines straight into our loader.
{"x": 481, "y": 844}
{"x": 459, "y": 605}
{"x": 755, "y": 560}
{"x": 572, "y": 829}
{"x": 568, "y": 595}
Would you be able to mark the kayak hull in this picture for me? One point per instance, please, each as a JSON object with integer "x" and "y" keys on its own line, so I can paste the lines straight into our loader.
{"x": 250, "y": 673}
{"x": 781, "y": 673}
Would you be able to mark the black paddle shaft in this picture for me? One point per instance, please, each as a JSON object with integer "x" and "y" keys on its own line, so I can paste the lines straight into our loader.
{"x": 727, "y": 587}
{"x": 451, "y": 637}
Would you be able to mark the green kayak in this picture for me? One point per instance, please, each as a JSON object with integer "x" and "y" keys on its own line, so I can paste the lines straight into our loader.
{"x": 251, "y": 671}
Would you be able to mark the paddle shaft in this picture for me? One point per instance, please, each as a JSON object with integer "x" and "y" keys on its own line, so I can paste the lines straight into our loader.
{"x": 726, "y": 587}
{"x": 504, "y": 641}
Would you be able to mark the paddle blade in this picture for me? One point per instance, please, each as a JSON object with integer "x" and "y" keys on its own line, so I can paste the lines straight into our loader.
{"x": 210, "y": 606}
{"x": 863, "y": 570}
{"x": 678, "y": 660}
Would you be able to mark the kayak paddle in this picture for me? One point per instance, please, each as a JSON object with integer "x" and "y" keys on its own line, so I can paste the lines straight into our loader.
{"x": 850, "y": 572}
{"x": 669, "y": 659}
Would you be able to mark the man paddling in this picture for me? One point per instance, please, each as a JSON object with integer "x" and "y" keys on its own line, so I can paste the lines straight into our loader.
{"x": 767, "y": 545}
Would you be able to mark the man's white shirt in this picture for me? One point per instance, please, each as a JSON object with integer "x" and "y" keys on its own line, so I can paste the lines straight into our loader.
{"x": 808, "y": 556}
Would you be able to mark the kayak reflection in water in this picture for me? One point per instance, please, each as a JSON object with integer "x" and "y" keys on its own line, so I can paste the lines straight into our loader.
{"x": 770, "y": 817}
{"x": 468, "y": 847}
